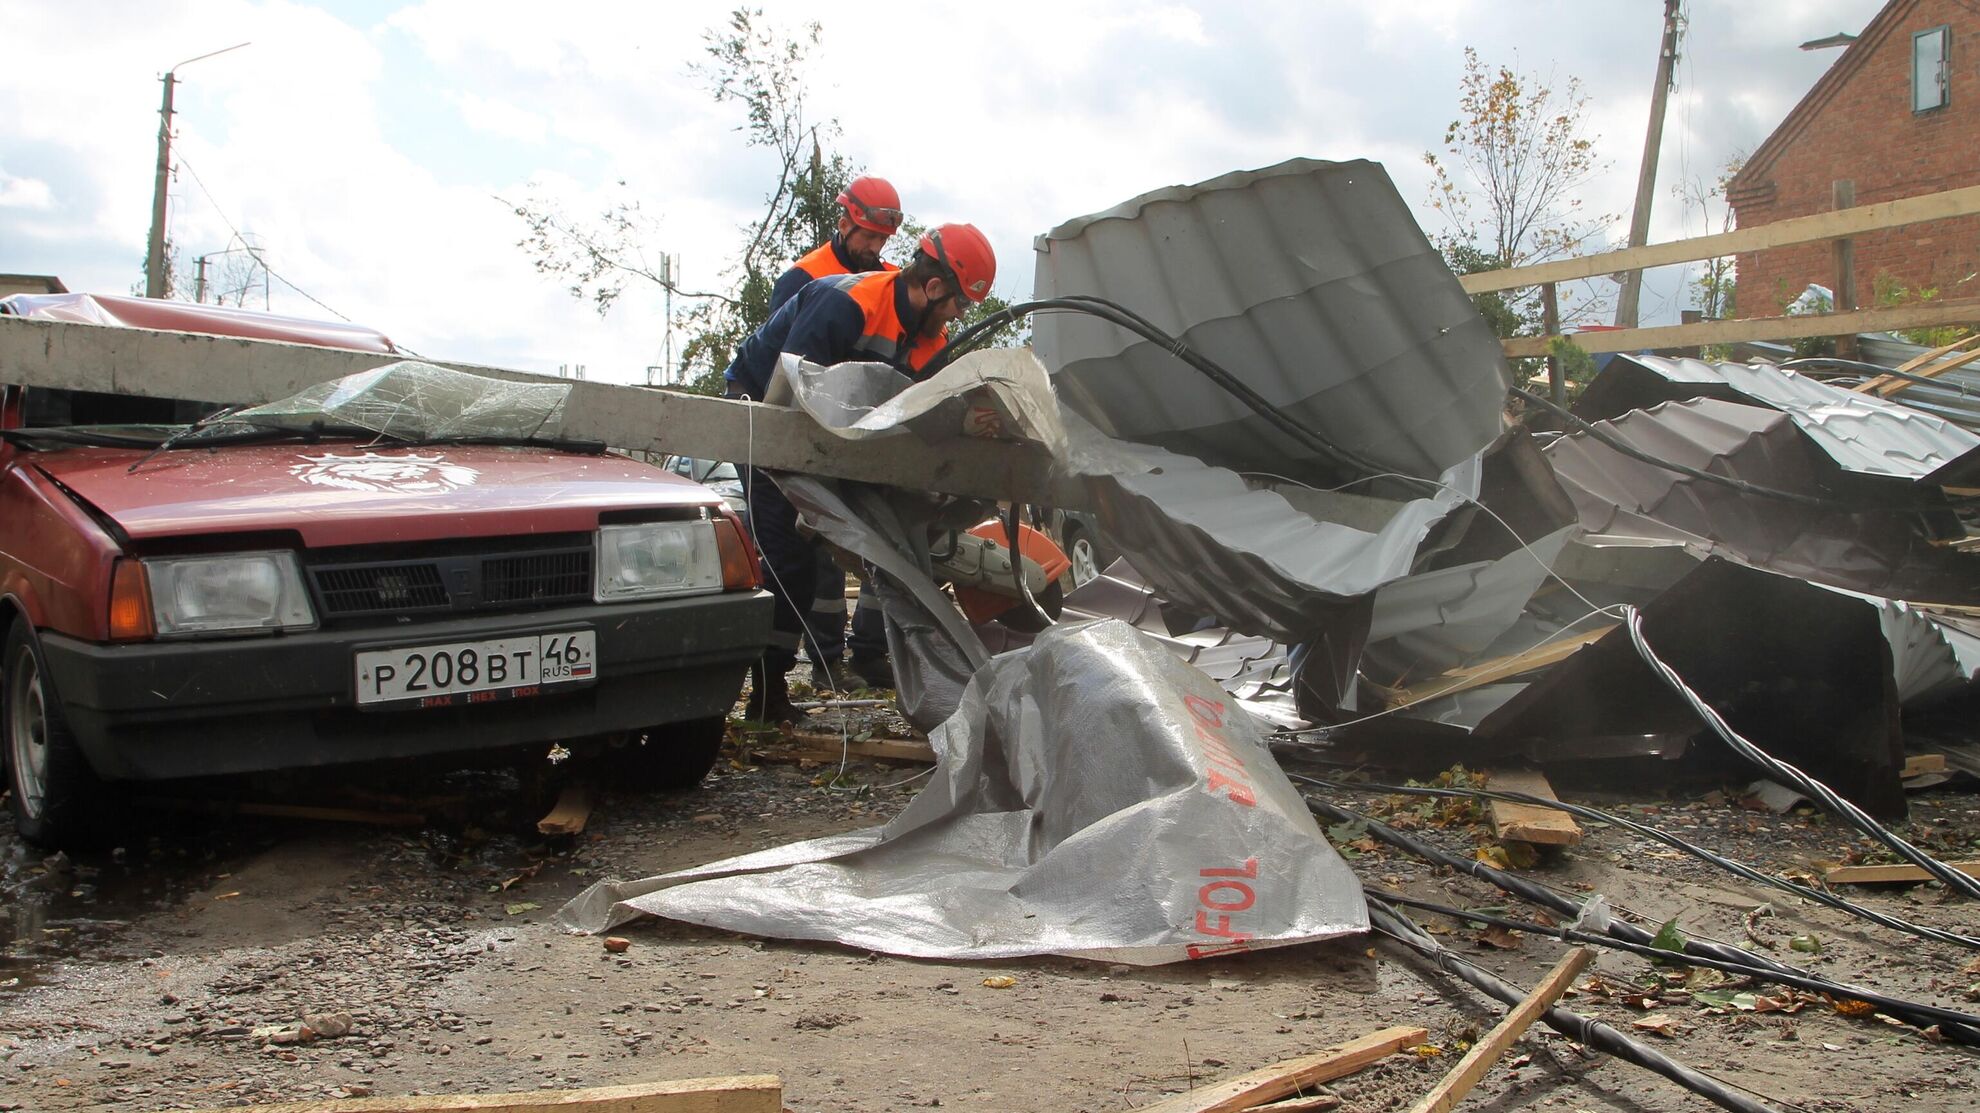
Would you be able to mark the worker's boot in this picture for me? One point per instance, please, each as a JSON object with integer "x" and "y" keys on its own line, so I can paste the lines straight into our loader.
{"x": 871, "y": 670}
{"x": 770, "y": 697}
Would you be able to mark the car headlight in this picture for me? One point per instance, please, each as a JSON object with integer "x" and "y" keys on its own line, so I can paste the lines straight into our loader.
{"x": 657, "y": 559}
{"x": 228, "y": 593}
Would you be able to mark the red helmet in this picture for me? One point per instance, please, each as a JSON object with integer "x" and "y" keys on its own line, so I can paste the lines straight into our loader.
{"x": 965, "y": 253}
{"x": 873, "y": 204}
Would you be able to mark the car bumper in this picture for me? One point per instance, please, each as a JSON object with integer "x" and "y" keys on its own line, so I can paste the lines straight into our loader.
{"x": 159, "y": 710}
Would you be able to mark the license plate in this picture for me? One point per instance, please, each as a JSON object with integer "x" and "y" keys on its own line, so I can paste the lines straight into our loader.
{"x": 451, "y": 674}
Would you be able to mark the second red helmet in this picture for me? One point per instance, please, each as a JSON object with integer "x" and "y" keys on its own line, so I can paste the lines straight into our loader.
{"x": 873, "y": 204}
{"x": 966, "y": 252}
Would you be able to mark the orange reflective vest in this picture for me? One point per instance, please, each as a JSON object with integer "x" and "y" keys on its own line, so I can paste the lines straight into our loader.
{"x": 882, "y": 337}
{"x": 823, "y": 262}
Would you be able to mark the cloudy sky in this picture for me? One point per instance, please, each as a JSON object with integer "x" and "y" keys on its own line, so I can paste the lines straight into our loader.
{"x": 364, "y": 144}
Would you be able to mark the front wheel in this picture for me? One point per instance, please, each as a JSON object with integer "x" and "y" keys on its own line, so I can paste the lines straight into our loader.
{"x": 57, "y": 800}
{"x": 672, "y": 757}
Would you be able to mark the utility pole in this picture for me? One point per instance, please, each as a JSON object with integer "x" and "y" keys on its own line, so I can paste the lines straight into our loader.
{"x": 154, "y": 257}
{"x": 199, "y": 281}
{"x": 1646, "y": 178}
{"x": 668, "y": 264}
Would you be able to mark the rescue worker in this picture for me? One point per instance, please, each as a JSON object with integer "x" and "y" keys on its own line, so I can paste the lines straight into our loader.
{"x": 894, "y": 317}
{"x": 872, "y": 216}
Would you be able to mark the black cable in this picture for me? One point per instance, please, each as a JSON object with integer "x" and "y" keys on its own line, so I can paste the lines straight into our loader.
{"x": 1829, "y": 900}
{"x": 1790, "y": 775}
{"x": 1593, "y": 1033}
{"x": 1967, "y": 1025}
{"x": 1527, "y": 890}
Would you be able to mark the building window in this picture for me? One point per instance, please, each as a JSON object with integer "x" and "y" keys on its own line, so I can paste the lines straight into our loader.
{"x": 1931, "y": 66}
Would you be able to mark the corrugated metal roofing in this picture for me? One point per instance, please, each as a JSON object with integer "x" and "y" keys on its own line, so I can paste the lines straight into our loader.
{"x": 1308, "y": 280}
{"x": 1869, "y": 550}
{"x": 1953, "y": 395}
{"x": 1861, "y": 433}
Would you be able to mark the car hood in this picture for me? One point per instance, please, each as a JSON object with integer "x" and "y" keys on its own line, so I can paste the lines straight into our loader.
{"x": 342, "y": 493}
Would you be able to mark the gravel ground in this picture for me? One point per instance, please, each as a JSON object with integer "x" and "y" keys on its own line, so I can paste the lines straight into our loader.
{"x": 168, "y": 973}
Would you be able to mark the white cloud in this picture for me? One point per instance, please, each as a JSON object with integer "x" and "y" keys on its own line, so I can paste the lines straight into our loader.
{"x": 499, "y": 118}
{"x": 24, "y": 193}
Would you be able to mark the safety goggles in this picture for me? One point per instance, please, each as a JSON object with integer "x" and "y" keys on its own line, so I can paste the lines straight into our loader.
{"x": 887, "y": 218}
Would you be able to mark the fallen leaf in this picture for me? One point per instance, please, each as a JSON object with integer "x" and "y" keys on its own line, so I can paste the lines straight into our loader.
{"x": 521, "y": 907}
{"x": 1425, "y": 1050}
{"x": 1001, "y": 981}
{"x": 1496, "y": 936}
{"x": 1849, "y": 1006}
{"x": 1807, "y": 944}
{"x": 1669, "y": 938}
{"x": 1662, "y": 1024}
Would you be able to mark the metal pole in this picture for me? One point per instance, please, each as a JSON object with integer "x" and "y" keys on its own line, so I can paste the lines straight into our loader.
{"x": 1646, "y": 178}
{"x": 1550, "y": 323}
{"x": 1843, "y": 194}
{"x": 154, "y": 258}
{"x": 199, "y": 279}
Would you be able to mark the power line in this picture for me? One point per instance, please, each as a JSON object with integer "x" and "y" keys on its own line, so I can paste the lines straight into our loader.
{"x": 253, "y": 251}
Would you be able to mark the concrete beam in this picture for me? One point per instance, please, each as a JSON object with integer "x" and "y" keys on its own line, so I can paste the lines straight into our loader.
{"x": 147, "y": 363}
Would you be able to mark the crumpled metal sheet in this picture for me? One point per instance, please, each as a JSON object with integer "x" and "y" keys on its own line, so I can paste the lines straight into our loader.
{"x": 993, "y": 392}
{"x": 1256, "y": 671}
{"x": 1871, "y": 550}
{"x": 1932, "y": 654}
{"x": 413, "y": 401}
{"x": 1094, "y": 796}
{"x": 1308, "y": 280}
{"x": 1861, "y": 432}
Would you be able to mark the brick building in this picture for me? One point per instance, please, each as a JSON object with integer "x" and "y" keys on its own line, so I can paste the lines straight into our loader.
{"x": 1898, "y": 115}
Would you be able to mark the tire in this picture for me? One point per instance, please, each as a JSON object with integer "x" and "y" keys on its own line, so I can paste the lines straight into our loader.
{"x": 1084, "y": 554}
{"x": 58, "y": 801}
{"x": 671, "y": 758}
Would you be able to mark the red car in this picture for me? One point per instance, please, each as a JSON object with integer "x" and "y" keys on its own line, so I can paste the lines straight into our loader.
{"x": 283, "y": 599}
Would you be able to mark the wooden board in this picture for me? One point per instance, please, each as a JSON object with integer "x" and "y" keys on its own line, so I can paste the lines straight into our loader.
{"x": 152, "y": 364}
{"x": 1917, "y": 765}
{"x": 750, "y": 1093}
{"x": 1883, "y": 318}
{"x": 1529, "y": 822}
{"x": 1499, "y": 668}
{"x": 830, "y": 746}
{"x": 1871, "y": 875}
{"x": 1912, "y": 365}
{"x": 1451, "y": 1090}
{"x": 1781, "y": 233}
{"x": 1288, "y": 1078}
{"x": 572, "y": 812}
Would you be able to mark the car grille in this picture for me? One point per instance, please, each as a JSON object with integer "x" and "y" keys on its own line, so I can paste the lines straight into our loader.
{"x": 452, "y": 583}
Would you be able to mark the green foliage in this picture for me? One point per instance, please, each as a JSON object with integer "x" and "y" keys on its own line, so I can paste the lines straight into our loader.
{"x": 1890, "y": 291}
{"x": 1716, "y": 282}
{"x": 1577, "y": 366}
{"x": 1508, "y": 182}
{"x": 1466, "y": 258}
{"x": 1669, "y": 938}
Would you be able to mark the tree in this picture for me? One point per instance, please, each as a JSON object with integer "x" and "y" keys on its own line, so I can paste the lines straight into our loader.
{"x": 760, "y": 69}
{"x": 1508, "y": 182}
{"x": 1712, "y": 288}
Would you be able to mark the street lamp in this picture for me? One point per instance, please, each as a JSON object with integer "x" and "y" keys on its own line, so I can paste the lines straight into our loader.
{"x": 154, "y": 258}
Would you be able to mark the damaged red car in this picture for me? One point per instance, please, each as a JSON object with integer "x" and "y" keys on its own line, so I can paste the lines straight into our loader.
{"x": 293, "y": 586}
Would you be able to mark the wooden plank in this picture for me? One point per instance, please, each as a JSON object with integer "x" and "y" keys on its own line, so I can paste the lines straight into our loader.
{"x": 1896, "y": 384}
{"x": 1451, "y": 1090}
{"x": 154, "y": 364}
{"x": 1781, "y": 233}
{"x": 1872, "y": 875}
{"x": 1883, "y": 318}
{"x": 1499, "y": 668}
{"x": 1914, "y": 363}
{"x": 824, "y": 745}
{"x": 748, "y": 1093}
{"x": 1288, "y": 1078}
{"x": 1917, "y": 765}
{"x": 1300, "y": 1105}
{"x": 1529, "y": 822}
{"x": 572, "y": 812}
